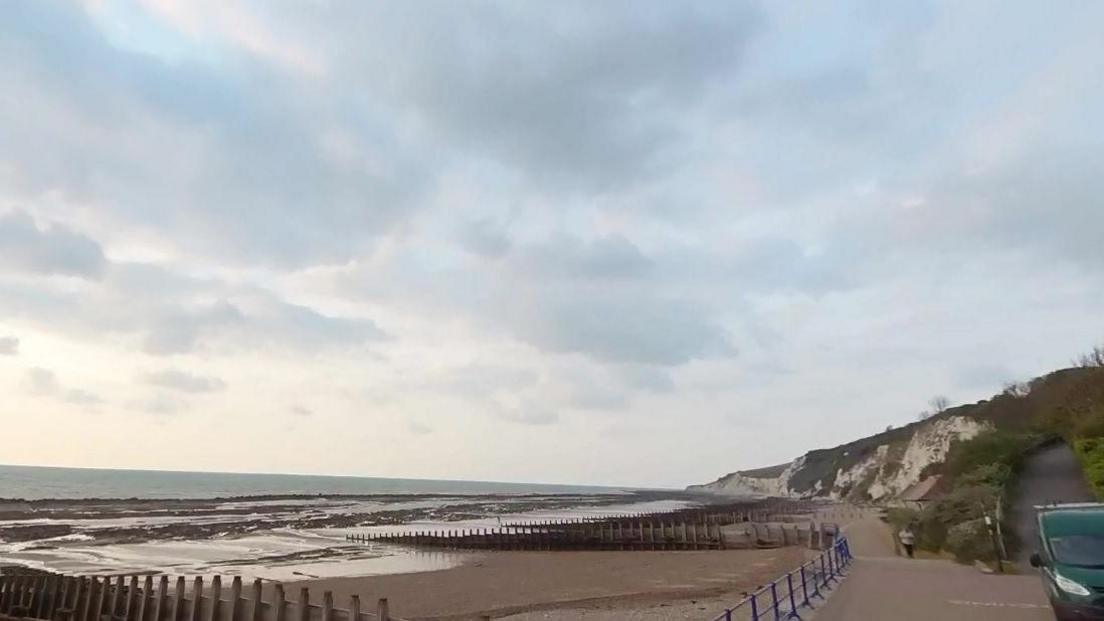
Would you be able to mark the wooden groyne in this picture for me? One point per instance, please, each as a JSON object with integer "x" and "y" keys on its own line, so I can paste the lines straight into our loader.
{"x": 33, "y": 595}
{"x": 715, "y": 528}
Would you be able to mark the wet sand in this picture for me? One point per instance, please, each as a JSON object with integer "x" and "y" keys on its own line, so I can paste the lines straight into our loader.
{"x": 562, "y": 585}
{"x": 134, "y": 520}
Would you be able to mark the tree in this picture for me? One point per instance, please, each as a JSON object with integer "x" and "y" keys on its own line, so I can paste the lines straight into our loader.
{"x": 1094, "y": 358}
{"x": 939, "y": 404}
{"x": 1017, "y": 389}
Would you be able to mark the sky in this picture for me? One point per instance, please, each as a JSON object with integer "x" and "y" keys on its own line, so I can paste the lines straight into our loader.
{"x": 626, "y": 242}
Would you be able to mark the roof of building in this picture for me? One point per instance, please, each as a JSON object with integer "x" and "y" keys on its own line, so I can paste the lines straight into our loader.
{"x": 921, "y": 490}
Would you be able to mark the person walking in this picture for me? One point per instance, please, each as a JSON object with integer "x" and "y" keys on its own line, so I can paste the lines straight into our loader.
{"x": 907, "y": 539}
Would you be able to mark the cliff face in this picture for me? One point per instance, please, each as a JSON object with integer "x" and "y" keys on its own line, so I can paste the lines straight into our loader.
{"x": 1068, "y": 402}
{"x": 877, "y": 467}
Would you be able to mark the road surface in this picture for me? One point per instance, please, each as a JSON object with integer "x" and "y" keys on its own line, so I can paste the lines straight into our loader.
{"x": 882, "y": 585}
{"x": 1050, "y": 474}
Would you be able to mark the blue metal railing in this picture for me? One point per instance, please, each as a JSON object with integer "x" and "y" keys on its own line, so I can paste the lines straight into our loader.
{"x": 787, "y": 596}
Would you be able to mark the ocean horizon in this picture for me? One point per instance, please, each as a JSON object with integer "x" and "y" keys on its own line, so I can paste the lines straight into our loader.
{"x": 57, "y": 482}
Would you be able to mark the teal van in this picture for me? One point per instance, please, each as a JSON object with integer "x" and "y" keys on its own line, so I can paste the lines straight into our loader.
{"x": 1070, "y": 558}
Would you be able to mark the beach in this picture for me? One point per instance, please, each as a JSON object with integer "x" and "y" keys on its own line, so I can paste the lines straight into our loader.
{"x": 274, "y": 537}
{"x": 303, "y": 540}
{"x": 564, "y": 585}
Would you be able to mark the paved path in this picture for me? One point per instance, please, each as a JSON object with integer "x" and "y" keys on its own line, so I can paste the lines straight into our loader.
{"x": 882, "y": 585}
{"x": 1050, "y": 474}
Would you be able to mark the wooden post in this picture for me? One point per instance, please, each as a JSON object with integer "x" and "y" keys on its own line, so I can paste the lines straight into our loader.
{"x": 147, "y": 590}
{"x": 19, "y": 597}
{"x": 304, "y": 604}
{"x": 197, "y": 598}
{"x": 354, "y": 608}
{"x": 235, "y": 598}
{"x": 258, "y": 605}
{"x": 117, "y": 596}
{"x": 90, "y": 601}
{"x": 382, "y": 612}
{"x": 327, "y": 606}
{"x": 43, "y": 600}
{"x": 178, "y": 600}
{"x": 132, "y": 594}
{"x": 278, "y": 604}
{"x": 159, "y": 603}
{"x": 216, "y": 595}
{"x": 11, "y": 593}
{"x": 34, "y": 593}
{"x": 78, "y": 600}
{"x": 61, "y": 603}
{"x": 30, "y": 595}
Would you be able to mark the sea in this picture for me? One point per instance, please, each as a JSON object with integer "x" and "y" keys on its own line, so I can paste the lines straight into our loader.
{"x": 269, "y": 526}
{"x": 39, "y": 482}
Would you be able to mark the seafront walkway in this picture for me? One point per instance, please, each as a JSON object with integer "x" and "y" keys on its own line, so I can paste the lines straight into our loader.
{"x": 883, "y": 585}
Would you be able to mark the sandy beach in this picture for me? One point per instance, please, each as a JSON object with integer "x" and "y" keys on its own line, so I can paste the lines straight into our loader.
{"x": 562, "y": 585}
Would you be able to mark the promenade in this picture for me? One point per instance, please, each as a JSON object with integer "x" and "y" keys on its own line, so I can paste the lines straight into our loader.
{"x": 882, "y": 585}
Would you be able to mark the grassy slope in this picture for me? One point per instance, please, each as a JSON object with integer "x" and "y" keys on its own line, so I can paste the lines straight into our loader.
{"x": 981, "y": 473}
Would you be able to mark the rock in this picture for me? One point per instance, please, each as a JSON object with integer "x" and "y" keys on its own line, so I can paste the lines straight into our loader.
{"x": 982, "y": 567}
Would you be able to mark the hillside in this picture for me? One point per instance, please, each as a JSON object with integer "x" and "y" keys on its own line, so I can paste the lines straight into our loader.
{"x": 1069, "y": 402}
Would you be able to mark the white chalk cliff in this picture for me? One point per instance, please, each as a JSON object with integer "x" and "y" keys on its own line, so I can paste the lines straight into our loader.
{"x": 876, "y": 468}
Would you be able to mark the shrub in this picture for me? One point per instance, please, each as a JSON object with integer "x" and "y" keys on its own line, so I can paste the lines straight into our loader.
{"x": 997, "y": 476}
{"x": 970, "y": 541}
{"x": 988, "y": 448}
{"x": 931, "y": 533}
{"x": 1090, "y": 451}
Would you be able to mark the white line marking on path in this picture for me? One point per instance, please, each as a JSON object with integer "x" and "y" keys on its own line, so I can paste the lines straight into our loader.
{"x": 959, "y": 602}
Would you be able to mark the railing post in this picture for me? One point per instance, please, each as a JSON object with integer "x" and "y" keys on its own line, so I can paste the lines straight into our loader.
{"x": 793, "y": 601}
{"x": 774, "y": 601}
{"x": 754, "y": 606}
{"x": 805, "y": 589}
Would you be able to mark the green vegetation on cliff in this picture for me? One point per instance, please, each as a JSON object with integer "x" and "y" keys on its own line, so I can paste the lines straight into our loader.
{"x": 980, "y": 473}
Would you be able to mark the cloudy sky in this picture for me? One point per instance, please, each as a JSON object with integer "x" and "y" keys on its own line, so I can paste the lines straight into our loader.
{"x": 619, "y": 242}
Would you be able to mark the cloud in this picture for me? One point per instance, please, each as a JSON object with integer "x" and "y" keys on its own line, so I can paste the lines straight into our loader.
{"x": 554, "y": 215}
{"x": 630, "y": 326}
{"x": 528, "y": 414}
{"x": 484, "y": 239}
{"x": 580, "y": 104}
{"x": 607, "y": 257}
{"x": 170, "y": 312}
{"x": 177, "y": 331}
{"x": 183, "y": 381}
{"x": 82, "y": 397}
{"x": 160, "y": 405}
{"x": 9, "y": 346}
{"x": 243, "y": 145}
{"x": 49, "y": 249}
{"x": 44, "y": 383}
{"x": 418, "y": 429}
